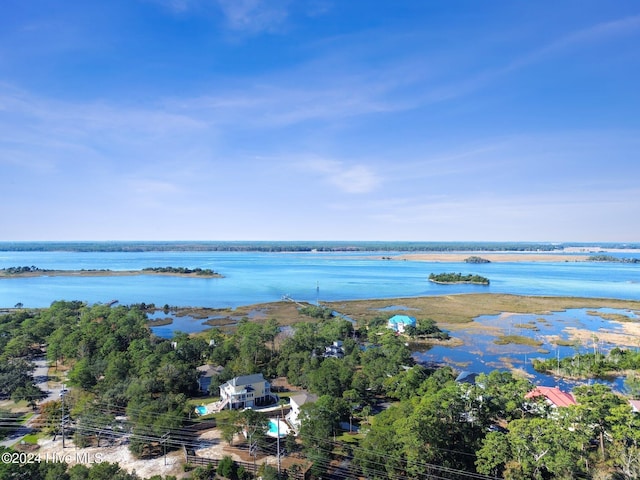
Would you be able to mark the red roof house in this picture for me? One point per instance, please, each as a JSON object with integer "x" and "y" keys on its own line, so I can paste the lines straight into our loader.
{"x": 554, "y": 396}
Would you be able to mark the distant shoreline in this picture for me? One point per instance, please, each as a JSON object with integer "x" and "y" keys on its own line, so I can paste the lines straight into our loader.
{"x": 493, "y": 257}
{"x": 317, "y": 246}
{"x": 102, "y": 273}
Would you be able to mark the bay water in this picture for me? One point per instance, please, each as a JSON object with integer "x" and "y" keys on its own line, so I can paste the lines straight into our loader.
{"x": 255, "y": 277}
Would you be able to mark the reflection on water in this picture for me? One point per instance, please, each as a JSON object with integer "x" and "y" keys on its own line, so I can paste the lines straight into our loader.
{"x": 183, "y": 323}
{"x": 557, "y": 335}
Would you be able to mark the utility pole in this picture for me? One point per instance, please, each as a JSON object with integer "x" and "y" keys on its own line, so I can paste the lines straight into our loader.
{"x": 62, "y": 419}
{"x": 164, "y": 439}
{"x": 278, "y": 441}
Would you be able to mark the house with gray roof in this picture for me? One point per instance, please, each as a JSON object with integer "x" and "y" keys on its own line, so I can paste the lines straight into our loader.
{"x": 296, "y": 402}
{"x": 205, "y": 374}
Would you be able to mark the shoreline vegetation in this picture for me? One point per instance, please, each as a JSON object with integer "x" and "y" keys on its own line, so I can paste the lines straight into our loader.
{"x": 317, "y": 246}
{"x": 456, "y": 278}
{"x": 611, "y": 258}
{"x": 32, "y": 271}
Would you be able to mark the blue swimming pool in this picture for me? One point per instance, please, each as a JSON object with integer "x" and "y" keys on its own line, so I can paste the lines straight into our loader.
{"x": 201, "y": 409}
{"x": 273, "y": 428}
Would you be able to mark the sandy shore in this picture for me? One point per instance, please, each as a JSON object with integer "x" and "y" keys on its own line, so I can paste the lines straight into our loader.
{"x": 493, "y": 257}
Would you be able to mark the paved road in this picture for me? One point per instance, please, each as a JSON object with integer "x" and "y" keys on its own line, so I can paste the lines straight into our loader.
{"x": 41, "y": 378}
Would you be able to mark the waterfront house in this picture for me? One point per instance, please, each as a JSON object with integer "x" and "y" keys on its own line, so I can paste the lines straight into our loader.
{"x": 553, "y": 396}
{"x": 296, "y": 401}
{"x": 398, "y": 323}
{"x": 246, "y": 391}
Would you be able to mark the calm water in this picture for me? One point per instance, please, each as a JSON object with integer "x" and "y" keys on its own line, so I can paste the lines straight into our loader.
{"x": 480, "y": 354}
{"x": 251, "y": 278}
{"x": 264, "y": 277}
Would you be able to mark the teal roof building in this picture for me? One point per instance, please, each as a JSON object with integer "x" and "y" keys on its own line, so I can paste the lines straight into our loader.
{"x": 398, "y": 323}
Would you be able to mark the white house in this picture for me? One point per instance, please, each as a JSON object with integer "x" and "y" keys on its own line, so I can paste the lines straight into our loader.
{"x": 296, "y": 401}
{"x": 398, "y": 323}
{"x": 245, "y": 391}
{"x": 335, "y": 350}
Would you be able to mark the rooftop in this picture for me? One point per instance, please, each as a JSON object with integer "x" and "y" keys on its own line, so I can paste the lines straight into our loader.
{"x": 406, "y": 319}
{"x": 246, "y": 380}
{"x": 556, "y": 396}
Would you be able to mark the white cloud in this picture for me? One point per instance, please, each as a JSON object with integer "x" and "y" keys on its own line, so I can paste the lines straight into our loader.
{"x": 353, "y": 179}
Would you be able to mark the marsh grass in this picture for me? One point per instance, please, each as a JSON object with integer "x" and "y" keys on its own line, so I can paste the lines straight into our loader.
{"x": 446, "y": 310}
{"x": 613, "y": 317}
{"x": 528, "y": 326}
{"x": 463, "y": 308}
{"x": 517, "y": 340}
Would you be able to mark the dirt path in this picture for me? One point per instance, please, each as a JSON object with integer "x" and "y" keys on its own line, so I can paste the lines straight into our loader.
{"x": 53, "y": 451}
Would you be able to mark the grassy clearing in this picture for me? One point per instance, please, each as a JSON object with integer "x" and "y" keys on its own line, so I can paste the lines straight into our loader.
{"x": 352, "y": 438}
{"x": 32, "y": 438}
{"x": 195, "y": 401}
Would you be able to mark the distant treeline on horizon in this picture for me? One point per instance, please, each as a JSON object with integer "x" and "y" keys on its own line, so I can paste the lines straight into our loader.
{"x": 293, "y": 246}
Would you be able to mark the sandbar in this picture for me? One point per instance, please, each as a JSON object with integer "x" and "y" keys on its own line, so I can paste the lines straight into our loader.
{"x": 493, "y": 257}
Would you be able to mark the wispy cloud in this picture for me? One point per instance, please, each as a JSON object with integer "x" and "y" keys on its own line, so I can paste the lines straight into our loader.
{"x": 599, "y": 32}
{"x": 353, "y": 179}
{"x": 274, "y": 102}
{"x": 254, "y": 16}
{"x": 79, "y": 132}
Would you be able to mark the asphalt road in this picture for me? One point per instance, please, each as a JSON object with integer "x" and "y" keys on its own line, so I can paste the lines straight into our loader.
{"x": 41, "y": 378}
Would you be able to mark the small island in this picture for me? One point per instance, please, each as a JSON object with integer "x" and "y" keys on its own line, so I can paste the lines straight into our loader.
{"x": 33, "y": 271}
{"x": 611, "y": 258}
{"x": 476, "y": 259}
{"x": 454, "y": 278}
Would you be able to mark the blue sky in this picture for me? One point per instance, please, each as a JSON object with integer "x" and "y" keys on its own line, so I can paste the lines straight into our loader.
{"x": 320, "y": 120}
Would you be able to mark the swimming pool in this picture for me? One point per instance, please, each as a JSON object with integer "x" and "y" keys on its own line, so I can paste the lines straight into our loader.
{"x": 273, "y": 428}
{"x": 201, "y": 410}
